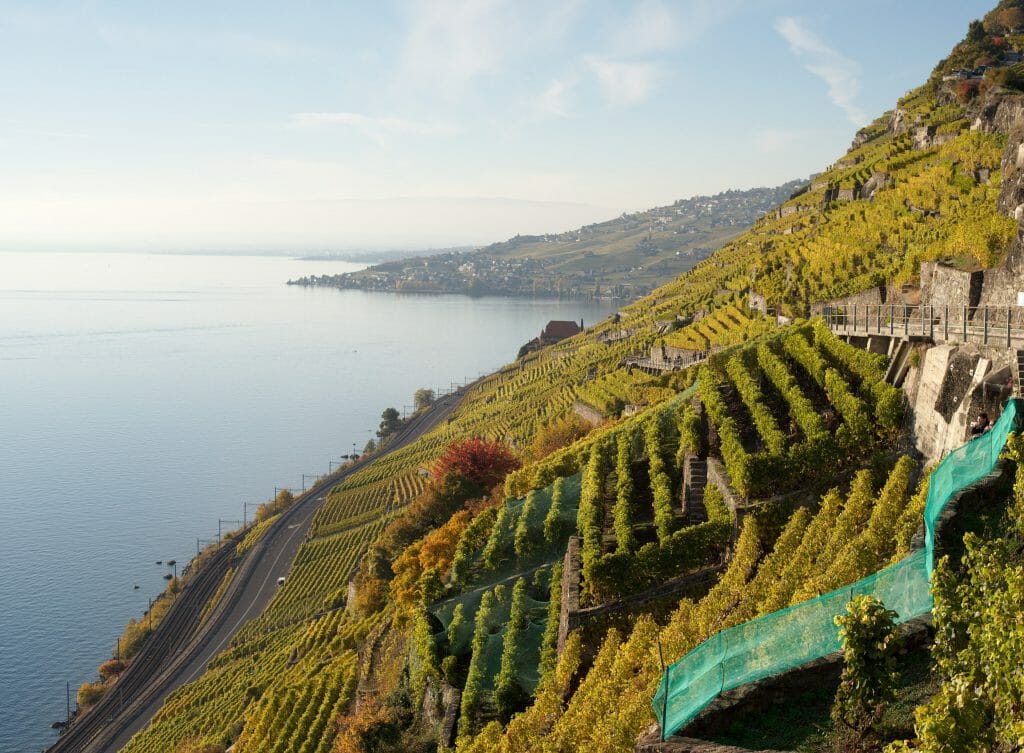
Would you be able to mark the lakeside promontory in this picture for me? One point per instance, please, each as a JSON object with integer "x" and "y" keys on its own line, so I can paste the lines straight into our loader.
{"x": 626, "y": 257}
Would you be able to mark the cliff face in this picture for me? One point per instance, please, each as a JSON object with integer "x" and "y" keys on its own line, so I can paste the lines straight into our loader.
{"x": 1003, "y": 112}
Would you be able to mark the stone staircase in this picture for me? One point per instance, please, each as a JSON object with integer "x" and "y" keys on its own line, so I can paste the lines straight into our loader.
{"x": 695, "y": 478}
{"x": 899, "y": 362}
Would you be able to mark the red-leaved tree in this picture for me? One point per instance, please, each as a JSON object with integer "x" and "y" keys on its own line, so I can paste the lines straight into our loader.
{"x": 479, "y": 461}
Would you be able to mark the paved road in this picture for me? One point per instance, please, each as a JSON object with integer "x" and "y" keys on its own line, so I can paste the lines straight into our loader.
{"x": 273, "y": 559}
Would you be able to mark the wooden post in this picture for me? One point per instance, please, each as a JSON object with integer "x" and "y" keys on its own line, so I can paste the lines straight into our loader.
{"x": 1008, "y": 340}
{"x": 984, "y": 328}
{"x": 965, "y": 324}
{"x": 878, "y": 320}
{"x": 945, "y": 324}
{"x": 906, "y": 321}
{"x": 855, "y": 317}
{"x": 892, "y": 318}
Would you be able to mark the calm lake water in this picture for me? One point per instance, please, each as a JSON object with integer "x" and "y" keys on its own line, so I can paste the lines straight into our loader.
{"x": 142, "y": 397}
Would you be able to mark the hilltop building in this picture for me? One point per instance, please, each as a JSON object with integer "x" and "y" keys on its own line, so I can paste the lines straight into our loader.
{"x": 554, "y": 331}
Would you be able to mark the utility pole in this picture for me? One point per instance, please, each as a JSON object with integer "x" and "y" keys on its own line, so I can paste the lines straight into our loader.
{"x": 245, "y": 512}
{"x": 220, "y": 524}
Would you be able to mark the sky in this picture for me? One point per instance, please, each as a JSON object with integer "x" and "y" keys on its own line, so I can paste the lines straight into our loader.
{"x": 332, "y": 126}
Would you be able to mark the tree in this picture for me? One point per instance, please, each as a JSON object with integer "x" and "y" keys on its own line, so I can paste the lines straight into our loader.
{"x": 1011, "y": 18}
{"x": 371, "y": 446}
{"x": 868, "y": 681}
{"x": 976, "y": 31}
{"x": 423, "y": 398}
{"x": 390, "y": 422}
{"x": 557, "y": 435}
{"x": 480, "y": 462}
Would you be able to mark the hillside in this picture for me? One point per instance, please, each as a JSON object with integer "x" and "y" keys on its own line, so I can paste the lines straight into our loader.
{"x": 526, "y": 595}
{"x": 625, "y": 257}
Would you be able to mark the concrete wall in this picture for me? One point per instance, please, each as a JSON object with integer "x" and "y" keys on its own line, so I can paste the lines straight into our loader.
{"x": 949, "y": 389}
{"x": 1000, "y": 287}
{"x": 757, "y": 302}
{"x": 872, "y": 297}
{"x": 588, "y": 413}
{"x": 942, "y": 285}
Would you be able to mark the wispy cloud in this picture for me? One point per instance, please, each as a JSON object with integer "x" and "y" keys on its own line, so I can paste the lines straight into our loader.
{"x": 376, "y": 126}
{"x": 449, "y": 44}
{"x": 650, "y": 27}
{"x": 840, "y": 73}
{"x": 554, "y": 99}
{"x": 624, "y": 82}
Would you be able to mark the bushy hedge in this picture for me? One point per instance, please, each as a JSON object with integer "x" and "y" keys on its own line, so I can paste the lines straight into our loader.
{"x": 508, "y": 695}
{"x": 655, "y": 434}
{"x": 590, "y": 516}
{"x": 554, "y": 525}
{"x": 624, "y": 539}
{"x": 737, "y": 459}
{"x": 750, "y": 392}
{"x": 619, "y": 574}
{"x": 475, "y": 536}
{"x": 799, "y": 405}
{"x": 690, "y": 436}
{"x": 549, "y": 644}
{"x": 869, "y": 368}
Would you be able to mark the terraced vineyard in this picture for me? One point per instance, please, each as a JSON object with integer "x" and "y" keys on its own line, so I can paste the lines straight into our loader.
{"x": 277, "y": 664}
{"x": 475, "y": 603}
{"x": 607, "y": 711}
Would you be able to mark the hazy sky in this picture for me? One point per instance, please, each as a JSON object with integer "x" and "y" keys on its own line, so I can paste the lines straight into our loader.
{"x": 332, "y": 125}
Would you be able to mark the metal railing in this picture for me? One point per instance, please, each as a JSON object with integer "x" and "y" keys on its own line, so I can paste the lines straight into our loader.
{"x": 988, "y": 325}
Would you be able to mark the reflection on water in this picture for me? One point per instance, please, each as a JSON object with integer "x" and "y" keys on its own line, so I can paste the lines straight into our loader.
{"x": 143, "y": 397}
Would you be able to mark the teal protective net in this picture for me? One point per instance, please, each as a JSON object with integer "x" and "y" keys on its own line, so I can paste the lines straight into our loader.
{"x": 790, "y": 637}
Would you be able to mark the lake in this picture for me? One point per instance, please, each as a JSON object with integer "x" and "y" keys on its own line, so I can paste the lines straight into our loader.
{"x": 144, "y": 397}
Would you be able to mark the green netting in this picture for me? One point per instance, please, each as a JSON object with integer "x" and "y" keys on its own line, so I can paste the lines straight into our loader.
{"x": 791, "y": 637}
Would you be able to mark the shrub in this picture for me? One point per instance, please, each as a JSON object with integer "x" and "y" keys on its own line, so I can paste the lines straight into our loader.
{"x": 89, "y": 693}
{"x": 557, "y": 435}
{"x": 111, "y": 668}
{"x": 479, "y": 461}
{"x": 868, "y": 681}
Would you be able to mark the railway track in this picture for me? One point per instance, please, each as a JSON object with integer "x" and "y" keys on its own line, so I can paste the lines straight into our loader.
{"x": 181, "y": 638}
{"x": 178, "y": 626}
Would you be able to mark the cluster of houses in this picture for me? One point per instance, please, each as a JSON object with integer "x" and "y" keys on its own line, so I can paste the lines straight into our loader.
{"x": 1010, "y": 57}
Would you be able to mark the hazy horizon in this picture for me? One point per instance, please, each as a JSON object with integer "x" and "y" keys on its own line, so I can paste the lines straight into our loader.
{"x": 416, "y": 124}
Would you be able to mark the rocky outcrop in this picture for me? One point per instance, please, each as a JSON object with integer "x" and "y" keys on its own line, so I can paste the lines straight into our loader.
{"x": 1003, "y": 112}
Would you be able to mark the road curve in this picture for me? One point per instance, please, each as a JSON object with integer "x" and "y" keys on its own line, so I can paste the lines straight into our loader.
{"x": 254, "y": 585}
